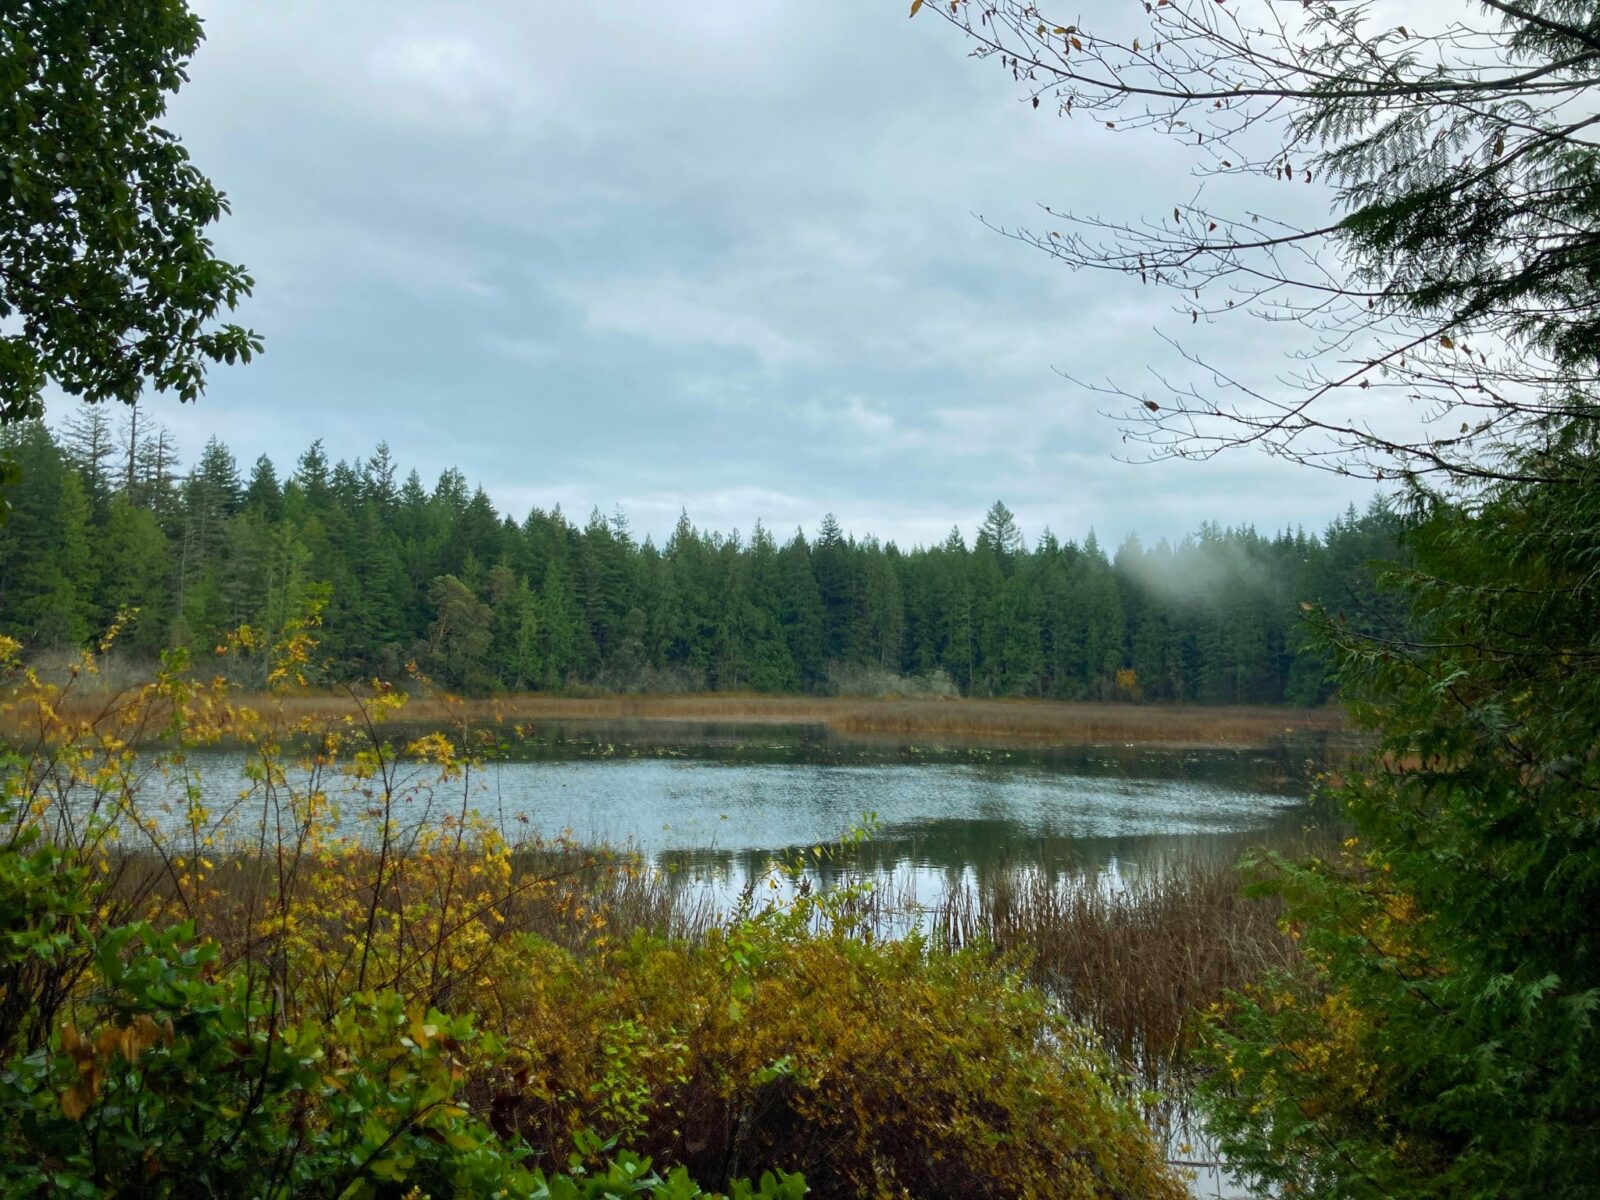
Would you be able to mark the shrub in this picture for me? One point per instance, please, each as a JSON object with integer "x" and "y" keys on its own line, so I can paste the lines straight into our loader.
{"x": 175, "y": 1083}
{"x": 42, "y": 954}
{"x": 875, "y": 1068}
{"x": 858, "y": 679}
{"x": 164, "y": 1081}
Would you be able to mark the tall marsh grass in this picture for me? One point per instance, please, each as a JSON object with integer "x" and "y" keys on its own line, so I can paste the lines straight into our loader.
{"x": 953, "y": 721}
{"x": 1134, "y": 960}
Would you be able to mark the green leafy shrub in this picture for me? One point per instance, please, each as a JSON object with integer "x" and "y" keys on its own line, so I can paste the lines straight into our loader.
{"x": 180, "y": 1084}
{"x": 874, "y": 1068}
{"x": 43, "y": 904}
{"x": 165, "y": 1077}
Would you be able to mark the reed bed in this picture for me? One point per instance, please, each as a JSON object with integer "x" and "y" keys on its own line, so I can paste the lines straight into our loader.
{"x": 1016, "y": 723}
{"x": 1052, "y": 723}
{"x": 1136, "y": 960}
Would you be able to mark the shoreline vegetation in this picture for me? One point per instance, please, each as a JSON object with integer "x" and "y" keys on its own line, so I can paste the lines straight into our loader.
{"x": 1024, "y": 723}
{"x": 947, "y": 723}
{"x": 433, "y": 1006}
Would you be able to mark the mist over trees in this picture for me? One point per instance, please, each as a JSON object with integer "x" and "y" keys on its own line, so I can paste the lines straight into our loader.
{"x": 107, "y": 520}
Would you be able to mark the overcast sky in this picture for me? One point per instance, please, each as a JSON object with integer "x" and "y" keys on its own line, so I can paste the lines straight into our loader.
{"x": 720, "y": 256}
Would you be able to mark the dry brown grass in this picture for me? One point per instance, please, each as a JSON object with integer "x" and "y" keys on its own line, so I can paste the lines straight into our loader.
{"x": 1036, "y": 723}
{"x": 1135, "y": 965}
{"x": 1055, "y": 723}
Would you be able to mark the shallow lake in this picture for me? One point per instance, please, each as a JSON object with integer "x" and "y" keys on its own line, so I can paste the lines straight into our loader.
{"x": 719, "y": 803}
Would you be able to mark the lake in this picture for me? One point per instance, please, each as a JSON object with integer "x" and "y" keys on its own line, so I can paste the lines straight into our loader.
{"x": 718, "y": 803}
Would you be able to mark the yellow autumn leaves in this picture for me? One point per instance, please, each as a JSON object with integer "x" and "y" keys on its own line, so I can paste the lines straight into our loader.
{"x": 92, "y": 1056}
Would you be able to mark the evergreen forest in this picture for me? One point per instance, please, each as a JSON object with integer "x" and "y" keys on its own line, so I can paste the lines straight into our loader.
{"x": 401, "y": 576}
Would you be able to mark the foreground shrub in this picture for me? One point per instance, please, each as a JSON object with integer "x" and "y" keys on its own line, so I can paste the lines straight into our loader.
{"x": 177, "y": 1084}
{"x": 875, "y": 1068}
{"x": 161, "y": 1080}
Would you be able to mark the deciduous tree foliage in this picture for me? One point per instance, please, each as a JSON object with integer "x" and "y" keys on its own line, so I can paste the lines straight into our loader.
{"x": 480, "y": 602}
{"x": 108, "y": 284}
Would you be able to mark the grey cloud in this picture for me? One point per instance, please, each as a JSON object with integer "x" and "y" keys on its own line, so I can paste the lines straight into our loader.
{"x": 720, "y": 257}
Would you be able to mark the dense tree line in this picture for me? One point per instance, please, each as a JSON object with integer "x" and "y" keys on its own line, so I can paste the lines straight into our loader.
{"x": 105, "y": 521}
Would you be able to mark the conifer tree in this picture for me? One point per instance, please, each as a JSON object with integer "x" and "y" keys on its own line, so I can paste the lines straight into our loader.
{"x": 311, "y": 476}
{"x": 46, "y": 569}
{"x": 135, "y": 569}
{"x": 558, "y": 626}
{"x": 1000, "y": 535}
{"x": 378, "y": 485}
{"x": 772, "y": 666}
{"x": 155, "y": 471}
{"x": 802, "y": 614}
{"x": 262, "y": 494}
{"x": 89, "y": 442}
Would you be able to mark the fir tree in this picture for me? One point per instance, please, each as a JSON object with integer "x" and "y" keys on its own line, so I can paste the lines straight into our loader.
{"x": 89, "y": 443}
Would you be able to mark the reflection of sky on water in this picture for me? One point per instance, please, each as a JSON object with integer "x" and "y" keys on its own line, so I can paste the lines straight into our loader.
{"x": 678, "y": 804}
{"x": 935, "y": 823}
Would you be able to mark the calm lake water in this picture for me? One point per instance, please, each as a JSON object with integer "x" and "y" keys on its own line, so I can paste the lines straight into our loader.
{"x": 719, "y": 803}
